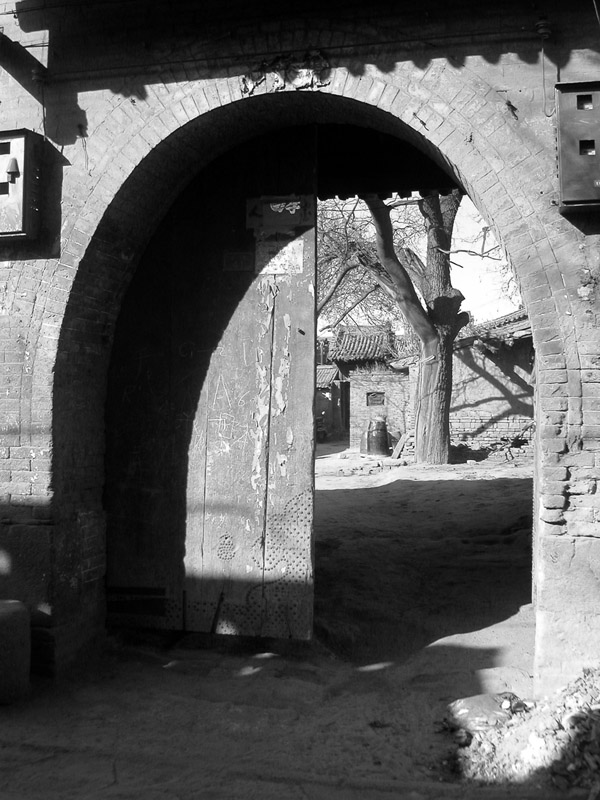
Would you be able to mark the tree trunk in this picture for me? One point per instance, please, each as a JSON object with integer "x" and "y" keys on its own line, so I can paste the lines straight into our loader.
{"x": 395, "y": 280}
{"x": 432, "y": 412}
{"x": 434, "y": 395}
{"x": 437, "y": 325}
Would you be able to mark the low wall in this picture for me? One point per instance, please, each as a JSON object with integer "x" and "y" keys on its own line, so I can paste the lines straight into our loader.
{"x": 492, "y": 395}
{"x": 396, "y": 406}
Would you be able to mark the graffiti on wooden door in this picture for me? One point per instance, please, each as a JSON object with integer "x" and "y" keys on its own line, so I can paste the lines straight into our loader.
{"x": 248, "y": 562}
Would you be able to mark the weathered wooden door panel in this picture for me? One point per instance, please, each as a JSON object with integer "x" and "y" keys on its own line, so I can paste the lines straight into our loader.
{"x": 248, "y": 557}
{"x": 227, "y": 468}
{"x": 288, "y": 574}
{"x": 209, "y": 453}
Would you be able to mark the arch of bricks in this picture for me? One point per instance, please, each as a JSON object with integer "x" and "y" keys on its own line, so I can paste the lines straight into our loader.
{"x": 138, "y": 158}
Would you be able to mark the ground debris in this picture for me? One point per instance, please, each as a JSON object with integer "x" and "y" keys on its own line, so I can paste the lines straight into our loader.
{"x": 557, "y": 743}
{"x": 470, "y": 715}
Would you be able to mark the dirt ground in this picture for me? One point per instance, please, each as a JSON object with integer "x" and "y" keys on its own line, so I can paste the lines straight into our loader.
{"x": 422, "y": 584}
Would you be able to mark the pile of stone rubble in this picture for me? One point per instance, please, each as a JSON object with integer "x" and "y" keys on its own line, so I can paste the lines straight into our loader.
{"x": 555, "y": 743}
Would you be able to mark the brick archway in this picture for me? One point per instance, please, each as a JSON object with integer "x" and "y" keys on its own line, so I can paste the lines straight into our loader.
{"x": 144, "y": 158}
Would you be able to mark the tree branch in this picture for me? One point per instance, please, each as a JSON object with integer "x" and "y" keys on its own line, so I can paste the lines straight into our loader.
{"x": 485, "y": 254}
{"x": 397, "y": 281}
{"x": 409, "y": 201}
{"x": 352, "y": 307}
{"x": 337, "y": 281}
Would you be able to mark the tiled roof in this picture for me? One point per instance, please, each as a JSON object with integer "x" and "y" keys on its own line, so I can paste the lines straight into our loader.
{"x": 405, "y": 362}
{"x": 368, "y": 343}
{"x": 502, "y": 329}
{"x": 326, "y": 374}
{"x": 511, "y": 326}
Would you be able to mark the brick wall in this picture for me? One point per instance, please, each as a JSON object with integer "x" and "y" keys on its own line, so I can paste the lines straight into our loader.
{"x": 492, "y": 395}
{"x": 130, "y": 116}
{"x": 396, "y": 408}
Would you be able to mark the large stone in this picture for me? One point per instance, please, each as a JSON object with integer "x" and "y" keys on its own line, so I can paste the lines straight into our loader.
{"x": 15, "y": 651}
{"x": 568, "y": 610}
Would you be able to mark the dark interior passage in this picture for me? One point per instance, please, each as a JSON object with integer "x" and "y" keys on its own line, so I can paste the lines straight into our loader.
{"x": 186, "y": 298}
{"x": 189, "y": 285}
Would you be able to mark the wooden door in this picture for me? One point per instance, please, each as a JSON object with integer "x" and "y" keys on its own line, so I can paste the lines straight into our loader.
{"x": 209, "y": 415}
{"x": 249, "y": 560}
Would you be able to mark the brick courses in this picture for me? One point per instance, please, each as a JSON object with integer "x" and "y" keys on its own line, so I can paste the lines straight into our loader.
{"x": 148, "y": 132}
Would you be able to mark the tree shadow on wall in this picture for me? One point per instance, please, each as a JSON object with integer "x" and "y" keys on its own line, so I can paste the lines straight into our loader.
{"x": 506, "y": 390}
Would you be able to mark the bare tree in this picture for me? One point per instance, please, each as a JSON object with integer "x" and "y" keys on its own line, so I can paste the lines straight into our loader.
{"x": 475, "y": 241}
{"x": 436, "y": 323}
{"x": 347, "y": 288}
{"x": 390, "y": 263}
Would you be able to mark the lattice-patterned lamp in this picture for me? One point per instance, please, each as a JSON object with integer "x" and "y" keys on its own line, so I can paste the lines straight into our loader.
{"x": 19, "y": 185}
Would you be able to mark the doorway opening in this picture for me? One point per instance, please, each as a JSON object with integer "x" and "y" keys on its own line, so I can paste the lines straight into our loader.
{"x": 185, "y": 297}
{"x": 409, "y": 556}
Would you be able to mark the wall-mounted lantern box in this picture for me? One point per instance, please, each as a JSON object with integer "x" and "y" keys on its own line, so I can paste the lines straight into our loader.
{"x": 578, "y": 117}
{"x": 19, "y": 185}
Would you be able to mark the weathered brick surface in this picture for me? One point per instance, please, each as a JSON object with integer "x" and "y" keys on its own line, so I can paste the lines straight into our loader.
{"x": 129, "y": 142}
{"x": 492, "y": 398}
{"x": 397, "y": 409}
{"x": 558, "y": 588}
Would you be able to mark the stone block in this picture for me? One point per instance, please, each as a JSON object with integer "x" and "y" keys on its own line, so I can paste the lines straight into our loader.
{"x": 568, "y": 577}
{"x": 550, "y": 487}
{"x": 15, "y": 651}
{"x": 568, "y": 601}
{"x": 553, "y": 516}
{"x": 552, "y": 390}
{"x": 554, "y": 403}
{"x": 553, "y": 445}
{"x": 583, "y": 487}
{"x": 553, "y": 376}
{"x": 556, "y": 474}
{"x": 583, "y": 459}
{"x": 584, "y": 529}
{"x": 553, "y": 501}
{"x": 563, "y": 650}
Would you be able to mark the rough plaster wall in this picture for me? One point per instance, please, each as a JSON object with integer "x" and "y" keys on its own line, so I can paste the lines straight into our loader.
{"x": 476, "y": 102}
{"x": 396, "y": 409}
{"x": 492, "y": 395}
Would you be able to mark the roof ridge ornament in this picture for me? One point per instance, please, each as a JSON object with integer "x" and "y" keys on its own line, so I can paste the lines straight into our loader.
{"x": 289, "y": 72}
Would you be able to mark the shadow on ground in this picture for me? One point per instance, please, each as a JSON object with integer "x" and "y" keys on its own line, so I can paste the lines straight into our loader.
{"x": 422, "y": 596}
{"x": 401, "y": 565}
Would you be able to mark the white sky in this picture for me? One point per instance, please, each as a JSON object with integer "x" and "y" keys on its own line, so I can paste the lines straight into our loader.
{"x": 482, "y": 281}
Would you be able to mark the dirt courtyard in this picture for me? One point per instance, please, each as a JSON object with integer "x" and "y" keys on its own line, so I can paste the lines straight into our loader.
{"x": 422, "y": 596}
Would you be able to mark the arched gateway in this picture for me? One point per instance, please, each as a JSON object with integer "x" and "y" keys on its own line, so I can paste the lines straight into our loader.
{"x": 139, "y": 158}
